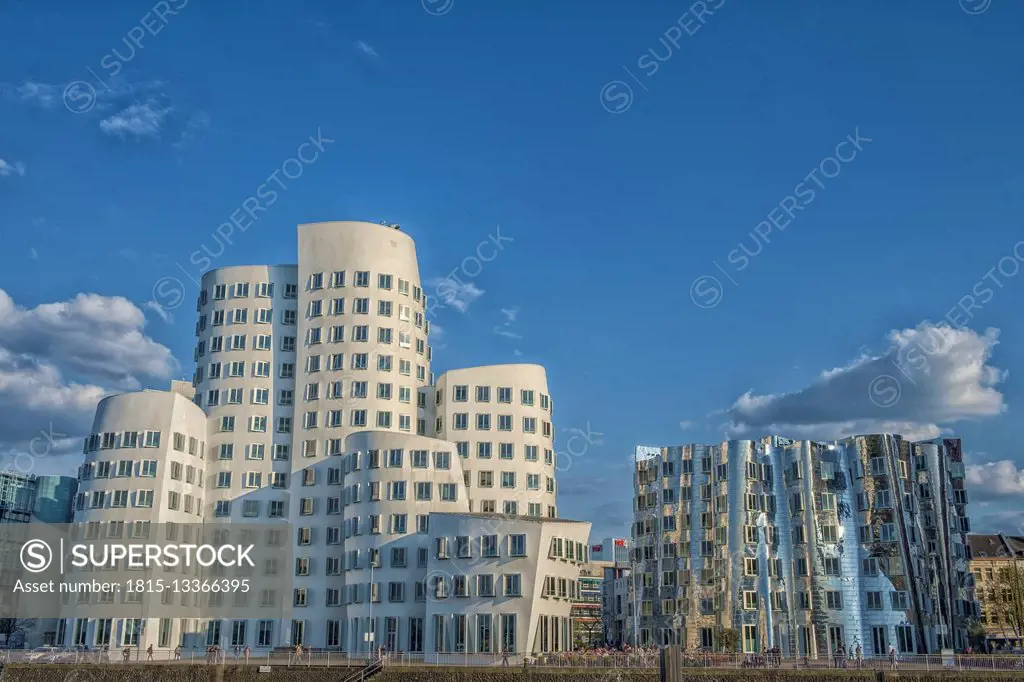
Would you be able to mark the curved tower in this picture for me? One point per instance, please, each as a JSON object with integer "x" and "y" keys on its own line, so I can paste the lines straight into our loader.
{"x": 245, "y": 381}
{"x": 499, "y": 417}
{"x": 361, "y": 356}
{"x": 393, "y": 482}
{"x": 145, "y": 462}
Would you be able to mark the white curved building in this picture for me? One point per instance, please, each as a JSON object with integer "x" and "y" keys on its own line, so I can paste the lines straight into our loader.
{"x": 145, "y": 462}
{"x": 499, "y": 416}
{"x": 393, "y": 484}
{"x": 245, "y": 381}
{"x": 318, "y": 411}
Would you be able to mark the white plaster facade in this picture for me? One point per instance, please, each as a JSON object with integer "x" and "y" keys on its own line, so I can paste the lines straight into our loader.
{"x": 145, "y": 464}
{"x": 302, "y": 373}
{"x": 499, "y": 416}
{"x": 496, "y": 583}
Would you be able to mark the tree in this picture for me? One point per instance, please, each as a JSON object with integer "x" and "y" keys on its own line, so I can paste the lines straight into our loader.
{"x": 729, "y": 640}
{"x": 9, "y": 627}
{"x": 1009, "y": 601}
{"x": 589, "y": 632}
{"x": 975, "y": 633}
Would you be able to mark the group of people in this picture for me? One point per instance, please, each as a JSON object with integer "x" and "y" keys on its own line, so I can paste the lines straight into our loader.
{"x": 840, "y": 657}
{"x": 769, "y": 658}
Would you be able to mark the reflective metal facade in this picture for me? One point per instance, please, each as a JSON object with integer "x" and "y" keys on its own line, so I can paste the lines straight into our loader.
{"x": 803, "y": 545}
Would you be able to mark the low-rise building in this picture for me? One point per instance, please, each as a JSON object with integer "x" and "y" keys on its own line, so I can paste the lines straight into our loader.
{"x": 997, "y": 565}
{"x": 586, "y": 609}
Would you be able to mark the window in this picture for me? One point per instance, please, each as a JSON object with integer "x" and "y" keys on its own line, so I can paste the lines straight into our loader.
{"x": 874, "y": 600}
{"x": 483, "y": 394}
{"x": 750, "y": 600}
{"x": 883, "y": 499}
{"x": 517, "y": 545}
{"x": 489, "y": 546}
{"x": 833, "y": 599}
{"x": 461, "y": 394}
{"x": 513, "y": 585}
{"x": 529, "y": 425}
{"x": 905, "y": 638}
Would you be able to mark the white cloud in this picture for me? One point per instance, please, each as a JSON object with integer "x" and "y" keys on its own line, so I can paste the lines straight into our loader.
{"x": 7, "y": 168}
{"x": 366, "y": 49}
{"x": 686, "y": 424}
{"x": 505, "y": 328}
{"x": 139, "y": 119}
{"x": 91, "y": 335}
{"x": 33, "y": 254}
{"x": 517, "y": 352}
{"x": 994, "y": 480}
{"x": 160, "y": 311}
{"x": 928, "y": 377}
{"x": 57, "y": 361}
{"x": 31, "y": 92}
{"x": 459, "y": 295}
{"x": 34, "y": 396}
{"x": 436, "y": 332}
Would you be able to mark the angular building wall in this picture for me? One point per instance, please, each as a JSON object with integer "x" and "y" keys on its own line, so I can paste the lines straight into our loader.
{"x": 495, "y": 583}
{"x": 802, "y": 545}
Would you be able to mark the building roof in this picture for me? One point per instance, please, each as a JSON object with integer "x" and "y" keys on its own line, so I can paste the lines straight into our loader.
{"x": 995, "y": 545}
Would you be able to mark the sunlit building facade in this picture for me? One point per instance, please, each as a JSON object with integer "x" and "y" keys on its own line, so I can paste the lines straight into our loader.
{"x": 803, "y": 545}
{"x": 997, "y": 565}
{"x": 423, "y": 515}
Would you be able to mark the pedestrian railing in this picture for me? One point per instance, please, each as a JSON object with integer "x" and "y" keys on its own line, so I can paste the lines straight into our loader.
{"x": 369, "y": 663}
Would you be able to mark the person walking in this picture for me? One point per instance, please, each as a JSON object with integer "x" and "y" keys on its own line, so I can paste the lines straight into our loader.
{"x": 246, "y": 653}
{"x": 504, "y": 657}
{"x": 177, "y": 653}
{"x": 126, "y": 653}
{"x": 892, "y": 657}
{"x": 860, "y": 656}
{"x": 149, "y": 653}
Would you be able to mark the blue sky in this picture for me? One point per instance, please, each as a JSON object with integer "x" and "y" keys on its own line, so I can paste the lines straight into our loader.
{"x": 622, "y": 200}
